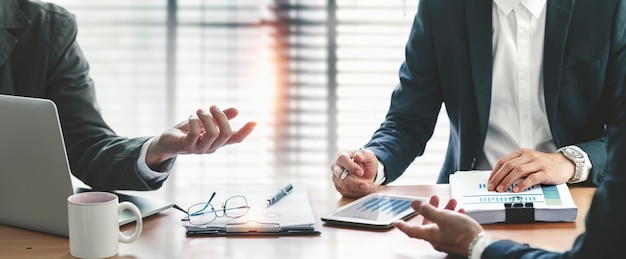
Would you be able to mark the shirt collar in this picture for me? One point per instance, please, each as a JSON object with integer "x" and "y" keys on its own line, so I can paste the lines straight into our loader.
{"x": 534, "y": 6}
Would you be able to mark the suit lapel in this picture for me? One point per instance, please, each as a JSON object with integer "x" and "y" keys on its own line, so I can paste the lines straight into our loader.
{"x": 558, "y": 18}
{"x": 7, "y": 43}
{"x": 10, "y": 17}
{"x": 480, "y": 29}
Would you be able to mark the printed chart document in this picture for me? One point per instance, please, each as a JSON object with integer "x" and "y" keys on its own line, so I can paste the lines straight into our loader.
{"x": 537, "y": 203}
{"x": 291, "y": 215}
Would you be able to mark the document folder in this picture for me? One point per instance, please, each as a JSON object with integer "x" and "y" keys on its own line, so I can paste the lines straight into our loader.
{"x": 291, "y": 215}
{"x": 550, "y": 203}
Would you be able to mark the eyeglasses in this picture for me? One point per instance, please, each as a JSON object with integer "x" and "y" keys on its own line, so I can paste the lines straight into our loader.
{"x": 204, "y": 213}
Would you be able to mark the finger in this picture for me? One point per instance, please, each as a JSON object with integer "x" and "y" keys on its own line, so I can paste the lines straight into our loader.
{"x": 353, "y": 187}
{"x": 416, "y": 205}
{"x": 357, "y": 188}
{"x": 184, "y": 124}
{"x": 508, "y": 174}
{"x": 336, "y": 169}
{"x": 494, "y": 179}
{"x": 345, "y": 160}
{"x": 211, "y": 131}
{"x": 225, "y": 131}
{"x": 434, "y": 200}
{"x": 357, "y": 169}
{"x": 424, "y": 232}
{"x": 241, "y": 134}
{"x": 230, "y": 113}
{"x": 341, "y": 162}
{"x": 451, "y": 205}
{"x": 496, "y": 176}
{"x": 504, "y": 160}
{"x": 193, "y": 132}
{"x": 518, "y": 173}
{"x": 529, "y": 180}
{"x": 413, "y": 231}
{"x": 499, "y": 170}
{"x": 427, "y": 210}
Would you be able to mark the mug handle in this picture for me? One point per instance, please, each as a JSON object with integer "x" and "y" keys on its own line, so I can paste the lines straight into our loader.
{"x": 139, "y": 225}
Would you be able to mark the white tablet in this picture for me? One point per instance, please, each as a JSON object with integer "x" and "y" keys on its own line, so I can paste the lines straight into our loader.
{"x": 376, "y": 210}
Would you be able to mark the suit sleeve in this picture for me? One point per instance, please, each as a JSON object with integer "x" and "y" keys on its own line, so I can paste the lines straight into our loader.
{"x": 415, "y": 103}
{"x": 615, "y": 76}
{"x": 97, "y": 156}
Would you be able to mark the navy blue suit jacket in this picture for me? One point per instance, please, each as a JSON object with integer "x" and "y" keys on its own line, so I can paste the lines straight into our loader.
{"x": 449, "y": 61}
{"x": 605, "y": 224}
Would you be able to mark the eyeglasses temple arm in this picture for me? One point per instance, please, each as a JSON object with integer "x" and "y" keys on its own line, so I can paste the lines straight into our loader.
{"x": 179, "y": 208}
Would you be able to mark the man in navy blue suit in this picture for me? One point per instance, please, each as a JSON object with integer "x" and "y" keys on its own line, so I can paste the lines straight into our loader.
{"x": 456, "y": 233}
{"x": 522, "y": 81}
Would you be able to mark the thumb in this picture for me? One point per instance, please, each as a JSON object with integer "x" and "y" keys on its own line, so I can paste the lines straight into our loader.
{"x": 427, "y": 210}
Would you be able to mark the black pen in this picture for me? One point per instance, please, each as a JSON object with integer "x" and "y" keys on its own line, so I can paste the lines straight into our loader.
{"x": 279, "y": 194}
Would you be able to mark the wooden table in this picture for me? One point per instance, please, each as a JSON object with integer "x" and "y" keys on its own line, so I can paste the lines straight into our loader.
{"x": 164, "y": 237}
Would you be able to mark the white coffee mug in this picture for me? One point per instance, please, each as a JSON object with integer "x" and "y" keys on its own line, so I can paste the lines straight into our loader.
{"x": 93, "y": 224}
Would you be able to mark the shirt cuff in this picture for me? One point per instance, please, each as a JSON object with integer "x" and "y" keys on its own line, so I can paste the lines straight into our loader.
{"x": 144, "y": 171}
{"x": 479, "y": 245}
{"x": 380, "y": 175}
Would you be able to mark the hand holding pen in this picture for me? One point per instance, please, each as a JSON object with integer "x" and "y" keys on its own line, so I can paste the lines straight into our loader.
{"x": 345, "y": 171}
{"x": 354, "y": 172}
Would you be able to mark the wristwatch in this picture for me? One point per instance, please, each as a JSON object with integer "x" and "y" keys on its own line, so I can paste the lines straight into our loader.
{"x": 575, "y": 155}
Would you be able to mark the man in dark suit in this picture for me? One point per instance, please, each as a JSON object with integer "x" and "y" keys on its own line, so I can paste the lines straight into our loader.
{"x": 39, "y": 57}
{"x": 522, "y": 82}
{"x": 456, "y": 233}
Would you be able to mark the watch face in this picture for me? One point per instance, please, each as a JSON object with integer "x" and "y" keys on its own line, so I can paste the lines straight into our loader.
{"x": 573, "y": 152}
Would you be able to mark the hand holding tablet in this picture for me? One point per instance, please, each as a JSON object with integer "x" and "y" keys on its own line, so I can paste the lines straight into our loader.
{"x": 376, "y": 210}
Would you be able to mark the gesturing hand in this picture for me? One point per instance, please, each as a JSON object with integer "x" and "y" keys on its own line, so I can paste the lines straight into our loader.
{"x": 203, "y": 134}
{"x": 445, "y": 229}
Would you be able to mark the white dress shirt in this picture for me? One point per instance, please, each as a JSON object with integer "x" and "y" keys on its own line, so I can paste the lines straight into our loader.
{"x": 517, "y": 116}
{"x": 518, "y": 37}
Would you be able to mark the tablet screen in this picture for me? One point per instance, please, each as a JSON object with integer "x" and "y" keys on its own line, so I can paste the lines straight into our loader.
{"x": 374, "y": 210}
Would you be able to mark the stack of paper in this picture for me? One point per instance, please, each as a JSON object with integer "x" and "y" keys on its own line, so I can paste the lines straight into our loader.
{"x": 549, "y": 202}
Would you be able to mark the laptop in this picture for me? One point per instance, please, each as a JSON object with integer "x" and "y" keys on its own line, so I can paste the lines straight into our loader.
{"x": 35, "y": 177}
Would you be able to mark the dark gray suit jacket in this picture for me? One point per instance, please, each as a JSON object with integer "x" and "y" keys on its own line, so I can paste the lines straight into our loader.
{"x": 39, "y": 57}
{"x": 449, "y": 60}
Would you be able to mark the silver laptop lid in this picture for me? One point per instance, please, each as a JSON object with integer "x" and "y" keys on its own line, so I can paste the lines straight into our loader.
{"x": 35, "y": 177}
